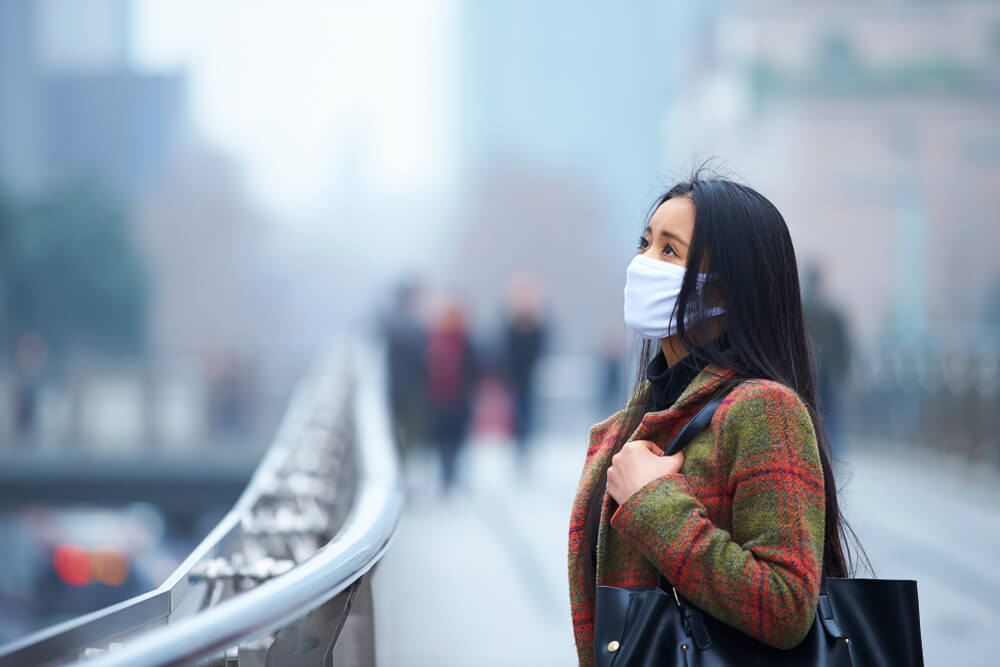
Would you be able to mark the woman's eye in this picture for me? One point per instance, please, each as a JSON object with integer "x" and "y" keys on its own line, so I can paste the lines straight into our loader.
{"x": 668, "y": 250}
{"x": 643, "y": 243}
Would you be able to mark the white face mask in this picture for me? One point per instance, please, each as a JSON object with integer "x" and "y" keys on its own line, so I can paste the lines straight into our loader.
{"x": 651, "y": 291}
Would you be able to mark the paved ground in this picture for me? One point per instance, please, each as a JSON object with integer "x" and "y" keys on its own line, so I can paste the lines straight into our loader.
{"x": 479, "y": 578}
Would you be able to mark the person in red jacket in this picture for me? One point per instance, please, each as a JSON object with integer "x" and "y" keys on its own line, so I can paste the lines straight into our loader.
{"x": 745, "y": 520}
{"x": 451, "y": 375}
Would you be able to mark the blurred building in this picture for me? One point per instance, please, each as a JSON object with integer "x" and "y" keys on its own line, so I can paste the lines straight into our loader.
{"x": 573, "y": 87}
{"x": 71, "y": 108}
{"x": 519, "y": 219}
{"x": 559, "y": 145}
{"x": 19, "y": 83}
{"x": 202, "y": 239}
{"x": 77, "y": 114}
{"x": 116, "y": 128}
{"x": 93, "y": 35}
{"x": 874, "y": 129}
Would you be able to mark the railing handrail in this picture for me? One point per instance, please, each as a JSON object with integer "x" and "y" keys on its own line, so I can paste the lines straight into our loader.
{"x": 354, "y": 550}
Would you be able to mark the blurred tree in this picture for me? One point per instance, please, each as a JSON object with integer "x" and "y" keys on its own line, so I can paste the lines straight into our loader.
{"x": 70, "y": 275}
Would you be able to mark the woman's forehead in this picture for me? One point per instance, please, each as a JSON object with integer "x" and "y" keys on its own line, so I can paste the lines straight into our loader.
{"x": 674, "y": 215}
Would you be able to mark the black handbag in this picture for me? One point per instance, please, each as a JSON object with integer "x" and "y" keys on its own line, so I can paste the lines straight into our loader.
{"x": 859, "y": 622}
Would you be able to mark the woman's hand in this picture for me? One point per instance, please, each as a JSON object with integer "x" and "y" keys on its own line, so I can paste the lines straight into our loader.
{"x": 638, "y": 463}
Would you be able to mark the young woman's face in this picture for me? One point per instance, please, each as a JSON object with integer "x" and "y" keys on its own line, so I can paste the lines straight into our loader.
{"x": 669, "y": 232}
{"x": 668, "y": 237}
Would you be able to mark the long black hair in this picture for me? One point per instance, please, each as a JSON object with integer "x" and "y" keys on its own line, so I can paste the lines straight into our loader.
{"x": 741, "y": 240}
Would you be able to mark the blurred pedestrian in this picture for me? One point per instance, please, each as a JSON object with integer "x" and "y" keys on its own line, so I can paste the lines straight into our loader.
{"x": 30, "y": 356}
{"x": 743, "y": 521}
{"x": 524, "y": 335}
{"x": 611, "y": 354}
{"x": 406, "y": 343}
{"x": 231, "y": 397}
{"x": 450, "y": 384}
{"x": 827, "y": 330}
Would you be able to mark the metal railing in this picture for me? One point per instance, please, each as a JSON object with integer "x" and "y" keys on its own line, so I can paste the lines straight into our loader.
{"x": 280, "y": 577}
{"x": 941, "y": 396}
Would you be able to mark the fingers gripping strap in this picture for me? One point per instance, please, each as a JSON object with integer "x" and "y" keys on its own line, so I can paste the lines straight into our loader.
{"x": 698, "y": 423}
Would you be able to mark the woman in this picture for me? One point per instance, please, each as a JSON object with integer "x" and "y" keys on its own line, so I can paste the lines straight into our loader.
{"x": 744, "y": 520}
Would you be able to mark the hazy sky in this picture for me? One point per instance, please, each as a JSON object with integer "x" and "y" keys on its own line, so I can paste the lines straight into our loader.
{"x": 303, "y": 90}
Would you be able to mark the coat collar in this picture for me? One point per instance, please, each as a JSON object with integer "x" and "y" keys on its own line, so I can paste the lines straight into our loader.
{"x": 700, "y": 390}
{"x": 604, "y": 435}
{"x": 661, "y": 427}
{"x": 705, "y": 384}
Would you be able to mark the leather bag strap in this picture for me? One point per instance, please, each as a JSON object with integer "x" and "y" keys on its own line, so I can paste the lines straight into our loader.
{"x": 695, "y": 425}
{"x": 699, "y": 422}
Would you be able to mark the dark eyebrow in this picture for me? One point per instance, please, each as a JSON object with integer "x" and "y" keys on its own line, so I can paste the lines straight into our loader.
{"x": 668, "y": 234}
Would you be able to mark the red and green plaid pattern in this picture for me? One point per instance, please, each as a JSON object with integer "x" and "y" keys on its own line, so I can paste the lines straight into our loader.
{"x": 739, "y": 532}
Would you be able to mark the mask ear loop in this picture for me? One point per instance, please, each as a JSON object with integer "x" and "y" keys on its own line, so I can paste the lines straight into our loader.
{"x": 704, "y": 311}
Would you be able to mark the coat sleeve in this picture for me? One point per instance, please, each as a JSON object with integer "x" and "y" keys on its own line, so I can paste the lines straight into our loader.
{"x": 764, "y": 577}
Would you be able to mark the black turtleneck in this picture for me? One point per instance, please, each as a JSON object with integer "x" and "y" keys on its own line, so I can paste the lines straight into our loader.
{"x": 668, "y": 383}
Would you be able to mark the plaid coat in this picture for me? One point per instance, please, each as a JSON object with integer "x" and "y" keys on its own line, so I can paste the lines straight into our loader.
{"x": 739, "y": 531}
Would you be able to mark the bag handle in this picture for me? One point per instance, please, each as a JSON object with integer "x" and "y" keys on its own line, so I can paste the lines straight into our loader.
{"x": 825, "y": 612}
